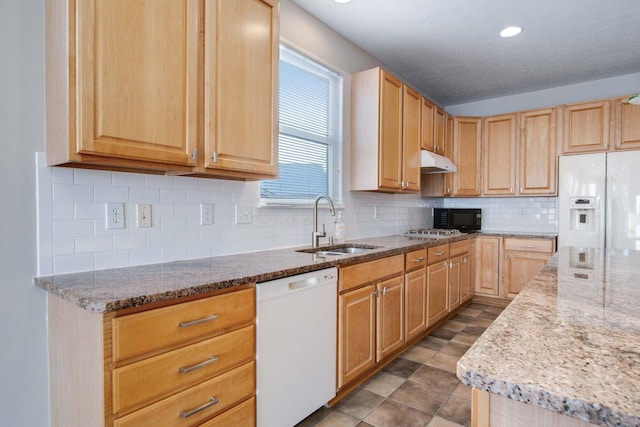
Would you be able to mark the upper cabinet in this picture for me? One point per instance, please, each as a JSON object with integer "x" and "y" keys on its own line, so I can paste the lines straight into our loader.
{"x": 537, "y": 152}
{"x": 519, "y": 153}
{"x": 627, "y": 125}
{"x": 499, "y": 144}
{"x": 241, "y": 66}
{"x": 440, "y": 132}
{"x": 586, "y": 127}
{"x": 385, "y": 133}
{"x": 467, "y": 181}
{"x": 158, "y": 85}
{"x": 427, "y": 124}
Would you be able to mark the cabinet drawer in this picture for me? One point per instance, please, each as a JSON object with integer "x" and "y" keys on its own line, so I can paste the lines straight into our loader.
{"x": 158, "y": 376}
{"x": 140, "y": 333}
{"x": 528, "y": 245}
{"x": 181, "y": 410}
{"x": 438, "y": 253}
{"x": 415, "y": 259}
{"x": 459, "y": 248}
{"x": 242, "y": 415}
{"x": 367, "y": 272}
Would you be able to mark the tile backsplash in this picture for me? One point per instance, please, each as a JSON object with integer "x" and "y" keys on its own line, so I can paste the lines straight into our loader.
{"x": 72, "y": 235}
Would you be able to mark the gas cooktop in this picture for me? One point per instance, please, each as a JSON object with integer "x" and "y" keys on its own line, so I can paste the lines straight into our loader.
{"x": 433, "y": 233}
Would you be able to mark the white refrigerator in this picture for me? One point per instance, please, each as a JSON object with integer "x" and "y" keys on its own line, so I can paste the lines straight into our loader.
{"x": 599, "y": 200}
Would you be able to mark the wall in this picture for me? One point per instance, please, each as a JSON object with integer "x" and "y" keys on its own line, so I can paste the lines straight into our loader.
{"x": 23, "y": 324}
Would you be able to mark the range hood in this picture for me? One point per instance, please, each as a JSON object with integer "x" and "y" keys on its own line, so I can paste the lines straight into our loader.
{"x": 435, "y": 163}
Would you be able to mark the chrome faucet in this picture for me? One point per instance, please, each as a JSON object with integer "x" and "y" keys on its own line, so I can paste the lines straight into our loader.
{"x": 315, "y": 235}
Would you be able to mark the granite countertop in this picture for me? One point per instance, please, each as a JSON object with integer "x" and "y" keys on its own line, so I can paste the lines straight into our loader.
{"x": 570, "y": 341}
{"x": 105, "y": 291}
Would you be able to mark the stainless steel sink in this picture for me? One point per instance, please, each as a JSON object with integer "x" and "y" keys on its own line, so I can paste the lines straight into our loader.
{"x": 339, "y": 249}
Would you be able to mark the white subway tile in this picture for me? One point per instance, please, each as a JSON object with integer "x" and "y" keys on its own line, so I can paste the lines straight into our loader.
{"x": 94, "y": 244}
{"x": 145, "y": 256}
{"x": 183, "y": 210}
{"x": 127, "y": 179}
{"x": 162, "y": 210}
{"x": 64, "y": 246}
{"x": 116, "y": 259}
{"x": 185, "y": 183}
{"x": 172, "y": 196}
{"x": 173, "y": 224}
{"x": 199, "y": 197}
{"x": 160, "y": 239}
{"x": 202, "y": 250}
{"x": 159, "y": 181}
{"x": 72, "y": 228}
{"x": 72, "y": 193}
{"x": 187, "y": 238}
{"x": 144, "y": 195}
{"x": 91, "y": 177}
{"x": 73, "y": 263}
{"x": 129, "y": 241}
{"x": 207, "y": 184}
{"x": 62, "y": 210}
{"x": 111, "y": 194}
{"x": 89, "y": 211}
{"x": 60, "y": 175}
{"x": 175, "y": 253}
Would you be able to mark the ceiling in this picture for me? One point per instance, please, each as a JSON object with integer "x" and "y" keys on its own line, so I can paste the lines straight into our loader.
{"x": 450, "y": 50}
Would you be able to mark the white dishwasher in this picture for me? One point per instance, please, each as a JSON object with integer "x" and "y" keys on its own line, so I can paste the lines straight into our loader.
{"x": 296, "y": 346}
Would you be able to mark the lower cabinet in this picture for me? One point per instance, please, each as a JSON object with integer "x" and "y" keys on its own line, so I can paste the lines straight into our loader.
{"x": 437, "y": 282}
{"x": 415, "y": 293}
{"x": 370, "y": 314}
{"x": 523, "y": 259}
{"x": 186, "y": 364}
{"x": 488, "y": 266}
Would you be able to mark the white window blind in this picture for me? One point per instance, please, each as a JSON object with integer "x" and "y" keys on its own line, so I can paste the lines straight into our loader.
{"x": 310, "y": 137}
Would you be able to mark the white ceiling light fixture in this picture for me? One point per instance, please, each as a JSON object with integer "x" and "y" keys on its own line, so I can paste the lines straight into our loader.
{"x": 510, "y": 31}
{"x": 342, "y": 1}
{"x": 634, "y": 99}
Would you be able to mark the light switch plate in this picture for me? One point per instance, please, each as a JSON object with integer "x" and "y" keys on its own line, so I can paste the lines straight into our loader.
{"x": 114, "y": 215}
{"x": 243, "y": 214}
{"x": 143, "y": 213}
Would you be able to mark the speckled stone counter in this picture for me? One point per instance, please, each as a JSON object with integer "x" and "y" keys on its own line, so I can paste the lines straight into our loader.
{"x": 570, "y": 341}
{"x": 104, "y": 291}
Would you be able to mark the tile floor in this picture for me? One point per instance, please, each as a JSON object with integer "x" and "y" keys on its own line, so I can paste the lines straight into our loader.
{"x": 420, "y": 388}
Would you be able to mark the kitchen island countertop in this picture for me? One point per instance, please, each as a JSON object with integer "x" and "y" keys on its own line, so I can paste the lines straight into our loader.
{"x": 570, "y": 341}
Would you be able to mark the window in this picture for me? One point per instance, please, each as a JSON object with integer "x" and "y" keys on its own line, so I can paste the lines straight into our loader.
{"x": 310, "y": 139}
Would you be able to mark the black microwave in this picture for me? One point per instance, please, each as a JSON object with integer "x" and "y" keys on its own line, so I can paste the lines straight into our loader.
{"x": 465, "y": 220}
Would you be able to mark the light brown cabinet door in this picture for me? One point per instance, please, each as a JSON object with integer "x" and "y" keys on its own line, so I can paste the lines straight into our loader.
{"x": 439, "y": 132}
{"x": 390, "y": 316}
{"x": 455, "y": 264}
{"x": 586, "y": 127}
{"x": 427, "y": 124}
{"x": 466, "y": 291}
{"x": 410, "y": 140}
{"x": 519, "y": 269}
{"x": 448, "y": 152}
{"x": 537, "y": 152}
{"x": 137, "y": 80}
{"x": 390, "y": 144}
{"x": 499, "y": 154}
{"x": 415, "y": 296}
{"x": 487, "y": 265}
{"x": 467, "y": 181}
{"x": 356, "y": 333}
{"x": 241, "y": 68}
{"x": 437, "y": 284}
{"x": 627, "y": 125}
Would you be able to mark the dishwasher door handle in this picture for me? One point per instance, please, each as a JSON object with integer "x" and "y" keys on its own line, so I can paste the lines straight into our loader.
{"x": 301, "y": 284}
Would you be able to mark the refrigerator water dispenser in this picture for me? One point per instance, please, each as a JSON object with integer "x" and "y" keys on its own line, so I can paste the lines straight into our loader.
{"x": 583, "y": 211}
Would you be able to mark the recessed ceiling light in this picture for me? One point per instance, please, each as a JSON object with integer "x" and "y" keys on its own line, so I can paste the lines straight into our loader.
{"x": 342, "y": 1}
{"x": 510, "y": 31}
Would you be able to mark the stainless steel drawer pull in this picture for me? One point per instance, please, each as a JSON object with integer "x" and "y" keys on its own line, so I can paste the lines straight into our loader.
{"x": 209, "y": 318}
{"x": 528, "y": 246}
{"x": 419, "y": 259}
{"x": 440, "y": 253}
{"x": 186, "y": 414}
{"x": 209, "y": 361}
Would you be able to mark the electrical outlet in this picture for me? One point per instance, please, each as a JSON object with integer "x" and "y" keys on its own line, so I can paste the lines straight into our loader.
{"x": 114, "y": 215}
{"x": 376, "y": 212}
{"x": 206, "y": 214}
{"x": 523, "y": 213}
{"x": 243, "y": 214}
{"x": 143, "y": 213}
